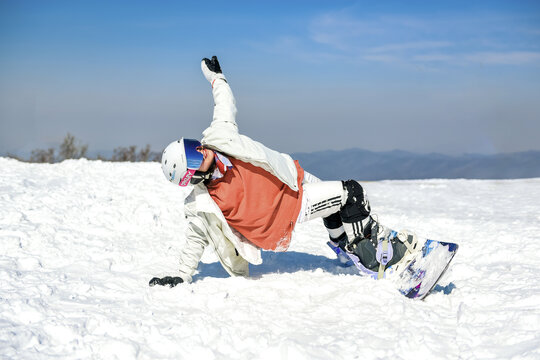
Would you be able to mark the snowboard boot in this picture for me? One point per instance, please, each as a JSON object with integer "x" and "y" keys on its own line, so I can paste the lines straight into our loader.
{"x": 376, "y": 246}
{"x": 355, "y": 212}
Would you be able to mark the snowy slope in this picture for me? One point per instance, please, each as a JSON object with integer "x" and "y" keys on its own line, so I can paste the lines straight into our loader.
{"x": 79, "y": 241}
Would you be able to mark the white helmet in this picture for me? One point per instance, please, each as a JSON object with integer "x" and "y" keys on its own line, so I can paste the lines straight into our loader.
{"x": 180, "y": 161}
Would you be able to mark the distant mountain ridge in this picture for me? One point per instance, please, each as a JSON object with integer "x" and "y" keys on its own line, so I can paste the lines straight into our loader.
{"x": 368, "y": 165}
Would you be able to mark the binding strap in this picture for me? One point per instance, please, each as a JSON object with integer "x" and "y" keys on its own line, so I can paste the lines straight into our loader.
{"x": 385, "y": 252}
{"x": 383, "y": 261}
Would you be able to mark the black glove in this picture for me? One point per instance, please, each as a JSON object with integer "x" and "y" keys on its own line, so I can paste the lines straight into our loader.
{"x": 212, "y": 70}
{"x": 213, "y": 65}
{"x": 172, "y": 281}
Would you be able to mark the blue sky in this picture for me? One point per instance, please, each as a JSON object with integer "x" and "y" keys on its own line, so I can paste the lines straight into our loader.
{"x": 451, "y": 77}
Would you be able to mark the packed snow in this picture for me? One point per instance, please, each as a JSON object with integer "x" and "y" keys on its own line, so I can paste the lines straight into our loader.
{"x": 81, "y": 239}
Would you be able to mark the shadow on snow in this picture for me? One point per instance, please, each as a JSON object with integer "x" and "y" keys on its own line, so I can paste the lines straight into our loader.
{"x": 280, "y": 262}
{"x": 446, "y": 290}
{"x": 292, "y": 262}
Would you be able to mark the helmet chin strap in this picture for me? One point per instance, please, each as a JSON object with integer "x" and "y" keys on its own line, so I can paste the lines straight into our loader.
{"x": 202, "y": 175}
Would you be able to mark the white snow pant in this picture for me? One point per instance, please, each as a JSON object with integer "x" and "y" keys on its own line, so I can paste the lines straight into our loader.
{"x": 326, "y": 199}
{"x": 320, "y": 200}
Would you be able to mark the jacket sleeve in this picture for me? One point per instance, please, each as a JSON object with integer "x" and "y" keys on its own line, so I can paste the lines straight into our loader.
{"x": 193, "y": 250}
{"x": 196, "y": 242}
{"x": 222, "y": 135}
{"x": 225, "y": 106}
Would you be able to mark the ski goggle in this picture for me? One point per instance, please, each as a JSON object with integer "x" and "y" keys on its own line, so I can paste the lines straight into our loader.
{"x": 194, "y": 160}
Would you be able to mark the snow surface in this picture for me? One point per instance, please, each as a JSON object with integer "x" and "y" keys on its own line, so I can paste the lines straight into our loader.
{"x": 81, "y": 239}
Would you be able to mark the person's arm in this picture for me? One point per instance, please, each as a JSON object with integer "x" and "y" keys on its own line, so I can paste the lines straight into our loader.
{"x": 189, "y": 258}
{"x": 225, "y": 104}
{"x": 191, "y": 253}
{"x": 193, "y": 249}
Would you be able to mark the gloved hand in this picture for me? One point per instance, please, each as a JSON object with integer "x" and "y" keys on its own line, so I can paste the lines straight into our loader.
{"x": 212, "y": 70}
{"x": 172, "y": 281}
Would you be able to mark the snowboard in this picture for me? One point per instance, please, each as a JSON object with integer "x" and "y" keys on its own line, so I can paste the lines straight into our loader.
{"x": 425, "y": 270}
{"x": 420, "y": 276}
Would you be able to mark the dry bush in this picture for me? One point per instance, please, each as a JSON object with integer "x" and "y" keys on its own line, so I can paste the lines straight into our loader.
{"x": 42, "y": 156}
{"x": 155, "y": 156}
{"x": 144, "y": 153}
{"x": 70, "y": 150}
{"x": 125, "y": 153}
{"x": 130, "y": 154}
{"x": 13, "y": 156}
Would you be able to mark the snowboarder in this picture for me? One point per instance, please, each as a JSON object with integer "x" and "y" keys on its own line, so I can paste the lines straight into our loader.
{"x": 247, "y": 197}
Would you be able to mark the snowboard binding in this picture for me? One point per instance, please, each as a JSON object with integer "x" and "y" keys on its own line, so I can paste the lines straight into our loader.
{"x": 383, "y": 249}
{"x": 386, "y": 249}
{"x": 415, "y": 266}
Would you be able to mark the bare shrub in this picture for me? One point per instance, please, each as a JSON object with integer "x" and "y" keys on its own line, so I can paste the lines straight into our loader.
{"x": 130, "y": 154}
{"x": 70, "y": 150}
{"x": 42, "y": 156}
{"x": 155, "y": 156}
{"x": 144, "y": 153}
{"x": 13, "y": 156}
{"x": 125, "y": 153}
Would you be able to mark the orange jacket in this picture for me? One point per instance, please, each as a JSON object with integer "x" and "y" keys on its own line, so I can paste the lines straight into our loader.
{"x": 257, "y": 204}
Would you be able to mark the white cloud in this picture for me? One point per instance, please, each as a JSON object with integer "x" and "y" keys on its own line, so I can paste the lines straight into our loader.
{"x": 504, "y": 58}
{"x": 341, "y": 31}
{"x": 418, "y": 45}
{"x": 434, "y": 57}
{"x": 381, "y": 58}
{"x": 450, "y": 40}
